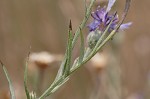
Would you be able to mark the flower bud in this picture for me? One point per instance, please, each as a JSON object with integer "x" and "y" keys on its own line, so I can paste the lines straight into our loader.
{"x": 93, "y": 37}
{"x": 99, "y": 61}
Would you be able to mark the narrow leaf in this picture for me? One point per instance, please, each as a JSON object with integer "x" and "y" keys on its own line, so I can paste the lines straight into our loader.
{"x": 85, "y": 5}
{"x": 61, "y": 69}
{"x": 59, "y": 85}
{"x": 25, "y": 77}
{"x": 12, "y": 91}
{"x": 65, "y": 61}
{"x": 81, "y": 47}
{"x": 69, "y": 50}
{"x": 76, "y": 61}
{"x": 53, "y": 85}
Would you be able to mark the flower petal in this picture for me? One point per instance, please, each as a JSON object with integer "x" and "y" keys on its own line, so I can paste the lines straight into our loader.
{"x": 102, "y": 13}
{"x": 92, "y": 26}
{"x": 110, "y": 4}
{"x": 125, "y": 26}
{"x": 94, "y": 15}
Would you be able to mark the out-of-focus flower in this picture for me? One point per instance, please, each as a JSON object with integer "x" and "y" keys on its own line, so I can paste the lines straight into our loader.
{"x": 44, "y": 59}
{"x": 136, "y": 96}
{"x": 102, "y": 18}
{"x": 5, "y": 94}
{"x": 99, "y": 61}
{"x": 19, "y": 92}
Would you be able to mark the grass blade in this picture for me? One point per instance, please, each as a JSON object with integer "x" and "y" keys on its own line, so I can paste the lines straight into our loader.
{"x": 81, "y": 47}
{"x": 12, "y": 91}
{"x": 59, "y": 85}
{"x": 65, "y": 60}
{"x": 69, "y": 50}
{"x": 61, "y": 69}
{"x": 25, "y": 78}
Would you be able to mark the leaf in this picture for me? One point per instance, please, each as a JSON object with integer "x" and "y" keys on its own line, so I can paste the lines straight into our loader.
{"x": 69, "y": 50}
{"x": 76, "y": 61}
{"x": 81, "y": 47}
{"x": 12, "y": 91}
{"x": 61, "y": 69}
{"x": 59, "y": 85}
{"x": 25, "y": 77}
{"x": 85, "y": 5}
{"x": 65, "y": 61}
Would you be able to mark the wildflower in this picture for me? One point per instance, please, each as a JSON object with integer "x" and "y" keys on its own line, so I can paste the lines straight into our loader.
{"x": 102, "y": 18}
{"x": 44, "y": 59}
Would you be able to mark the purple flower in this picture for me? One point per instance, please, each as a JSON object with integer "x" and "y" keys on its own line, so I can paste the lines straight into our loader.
{"x": 102, "y": 18}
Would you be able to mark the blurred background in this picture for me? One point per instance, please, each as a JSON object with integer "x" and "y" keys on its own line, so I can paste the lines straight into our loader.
{"x": 122, "y": 71}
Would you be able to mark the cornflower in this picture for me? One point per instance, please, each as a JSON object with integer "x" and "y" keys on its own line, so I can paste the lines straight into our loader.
{"x": 102, "y": 18}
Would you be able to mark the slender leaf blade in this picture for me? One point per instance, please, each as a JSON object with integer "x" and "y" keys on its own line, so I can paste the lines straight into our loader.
{"x": 81, "y": 47}
{"x": 59, "y": 85}
{"x": 12, "y": 91}
{"x": 69, "y": 50}
{"x": 61, "y": 69}
{"x": 25, "y": 77}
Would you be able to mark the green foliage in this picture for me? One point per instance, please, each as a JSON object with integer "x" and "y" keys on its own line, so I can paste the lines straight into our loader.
{"x": 25, "y": 78}
{"x": 12, "y": 91}
{"x": 66, "y": 68}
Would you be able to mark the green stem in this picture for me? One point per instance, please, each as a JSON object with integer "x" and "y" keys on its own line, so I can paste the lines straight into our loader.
{"x": 94, "y": 51}
{"x": 82, "y": 25}
{"x": 77, "y": 33}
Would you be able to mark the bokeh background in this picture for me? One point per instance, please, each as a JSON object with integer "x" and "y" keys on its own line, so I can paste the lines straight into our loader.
{"x": 43, "y": 24}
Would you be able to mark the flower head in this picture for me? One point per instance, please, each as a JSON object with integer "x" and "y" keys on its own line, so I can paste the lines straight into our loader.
{"x": 102, "y": 18}
{"x": 44, "y": 59}
{"x": 99, "y": 61}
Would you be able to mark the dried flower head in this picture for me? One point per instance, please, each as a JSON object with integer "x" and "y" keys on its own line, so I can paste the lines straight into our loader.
{"x": 136, "y": 96}
{"x": 5, "y": 94}
{"x": 99, "y": 61}
{"x": 102, "y": 18}
{"x": 43, "y": 59}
